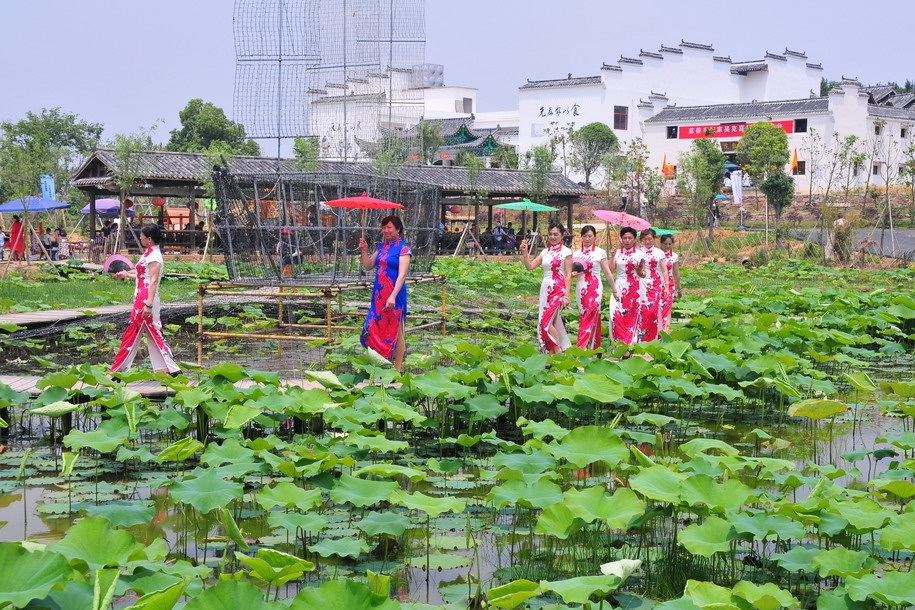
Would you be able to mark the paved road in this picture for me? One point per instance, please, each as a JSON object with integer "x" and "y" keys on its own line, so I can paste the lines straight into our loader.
{"x": 896, "y": 244}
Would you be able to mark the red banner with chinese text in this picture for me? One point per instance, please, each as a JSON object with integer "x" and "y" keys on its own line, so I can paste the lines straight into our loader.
{"x": 724, "y": 130}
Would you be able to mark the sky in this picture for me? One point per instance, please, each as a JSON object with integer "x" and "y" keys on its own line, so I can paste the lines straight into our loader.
{"x": 133, "y": 64}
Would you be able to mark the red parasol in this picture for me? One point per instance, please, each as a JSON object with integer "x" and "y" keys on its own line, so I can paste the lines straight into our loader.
{"x": 363, "y": 202}
{"x": 622, "y": 219}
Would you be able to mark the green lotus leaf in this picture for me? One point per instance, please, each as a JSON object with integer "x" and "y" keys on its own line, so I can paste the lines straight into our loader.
{"x": 843, "y": 562}
{"x": 432, "y": 506}
{"x": 122, "y": 513}
{"x": 655, "y": 419}
{"x": 817, "y": 408}
{"x": 533, "y": 394}
{"x": 104, "y": 583}
{"x": 239, "y": 414}
{"x": 798, "y": 559}
{"x": 390, "y": 523}
{"x": 192, "y": 397}
{"x": 513, "y": 594}
{"x": 714, "y": 535}
{"x": 341, "y": 595}
{"x": 903, "y": 440}
{"x": 760, "y": 525}
{"x": 230, "y": 527}
{"x": 538, "y": 494}
{"x": 860, "y": 381}
{"x": 685, "y": 603}
{"x": 375, "y": 443}
{"x": 180, "y": 450}
{"x": 767, "y": 596}
{"x": 703, "y": 489}
{"x": 56, "y": 409}
{"x": 658, "y": 483}
{"x": 400, "y": 411}
{"x": 900, "y": 533}
{"x": 229, "y": 594}
{"x": 230, "y": 450}
{"x": 588, "y": 444}
{"x": 485, "y": 406}
{"x": 558, "y": 521}
{"x": 598, "y": 388}
{"x": 903, "y": 489}
{"x": 261, "y": 569}
{"x": 863, "y": 514}
{"x": 579, "y": 590}
{"x": 29, "y": 575}
{"x": 308, "y": 522}
{"x": 893, "y": 588}
{"x": 390, "y": 471}
{"x": 435, "y": 385}
{"x": 289, "y": 495}
{"x": 525, "y": 462}
{"x": 905, "y": 389}
{"x": 542, "y": 429}
{"x": 617, "y": 511}
{"x": 699, "y": 446}
{"x": 94, "y": 542}
{"x": 229, "y": 370}
{"x": 440, "y": 561}
{"x": 838, "y": 599}
{"x": 144, "y": 580}
{"x": 279, "y": 560}
{"x": 164, "y": 599}
{"x": 622, "y": 568}
{"x": 361, "y": 492}
{"x": 109, "y": 435}
{"x": 709, "y": 595}
{"x": 341, "y": 547}
{"x": 205, "y": 491}
{"x": 727, "y": 392}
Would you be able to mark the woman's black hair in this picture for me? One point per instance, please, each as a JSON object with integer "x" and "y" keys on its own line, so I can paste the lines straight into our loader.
{"x": 667, "y": 238}
{"x": 556, "y": 225}
{"x": 587, "y": 228}
{"x": 647, "y": 232}
{"x": 153, "y": 232}
{"x": 394, "y": 220}
{"x": 629, "y": 230}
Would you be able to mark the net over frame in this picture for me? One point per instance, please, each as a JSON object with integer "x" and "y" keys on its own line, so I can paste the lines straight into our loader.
{"x": 276, "y": 230}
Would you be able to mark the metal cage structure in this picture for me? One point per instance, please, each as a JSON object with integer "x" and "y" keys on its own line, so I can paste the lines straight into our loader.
{"x": 276, "y": 230}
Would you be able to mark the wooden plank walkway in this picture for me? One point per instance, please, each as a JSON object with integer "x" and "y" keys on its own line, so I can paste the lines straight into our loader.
{"x": 53, "y": 316}
{"x": 147, "y": 388}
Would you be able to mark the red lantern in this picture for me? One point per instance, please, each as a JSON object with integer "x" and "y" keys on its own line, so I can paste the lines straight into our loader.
{"x": 128, "y": 204}
{"x": 159, "y": 202}
{"x": 455, "y": 209}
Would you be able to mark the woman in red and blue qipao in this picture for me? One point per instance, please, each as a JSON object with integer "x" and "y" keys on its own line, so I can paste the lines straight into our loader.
{"x": 624, "y": 306}
{"x": 654, "y": 288}
{"x": 590, "y": 289}
{"x": 144, "y": 317}
{"x": 673, "y": 279}
{"x": 556, "y": 261}
{"x": 383, "y": 331}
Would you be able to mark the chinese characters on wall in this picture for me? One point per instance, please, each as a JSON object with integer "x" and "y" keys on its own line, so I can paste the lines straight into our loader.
{"x": 726, "y": 130}
{"x": 559, "y": 110}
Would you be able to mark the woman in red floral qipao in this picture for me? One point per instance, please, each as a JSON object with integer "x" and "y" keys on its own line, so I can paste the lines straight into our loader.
{"x": 654, "y": 288}
{"x": 556, "y": 260}
{"x": 672, "y": 259}
{"x": 590, "y": 289}
{"x": 144, "y": 317}
{"x": 624, "y": 306}
{"x": 383, "y": 331}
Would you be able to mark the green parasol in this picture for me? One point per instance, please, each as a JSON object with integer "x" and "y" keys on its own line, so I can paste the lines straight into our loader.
{"x": 526, "y": 205}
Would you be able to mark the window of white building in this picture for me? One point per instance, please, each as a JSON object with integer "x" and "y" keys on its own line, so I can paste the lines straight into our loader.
{"x": 800, "y": 170}
{"x": 621, "y": 117}
{"x": 876, "y": 169}
{"x": 877, "y": 129}
{"x": 903, "y": 132}
{"x": 800, "y": 125}
{"x": 671, "y": 132}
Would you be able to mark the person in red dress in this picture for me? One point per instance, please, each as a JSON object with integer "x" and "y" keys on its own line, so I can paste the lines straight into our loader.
{"x": 144, "y": 317}
{"x": 627, "y": 263}
{"x": 17, "y": 240}
{"x": 672, "y": 260}
{"x": 654, "y": 288}
{"x": 590, "y": 288}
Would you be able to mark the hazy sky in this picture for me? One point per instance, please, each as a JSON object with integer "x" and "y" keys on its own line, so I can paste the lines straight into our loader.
{"x": 130, "y": 63}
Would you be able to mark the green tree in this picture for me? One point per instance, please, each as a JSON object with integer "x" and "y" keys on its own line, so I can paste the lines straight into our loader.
{"x": 779, "y": 190}
{"x": 700, "y": 170}
{"x": 306, "y": 152}
{"x": 430, "y": 139}
{"x": 589, "y": 146}
{"x": 49, "y": 142}
{"x": 505, "y": 157}
{"x": 392, "y": 154}
{"x": 763, "y": 148}
{"x": 826, "y": 85}
{"x": 203, "y": 123}
{"x": 539, "y": 164}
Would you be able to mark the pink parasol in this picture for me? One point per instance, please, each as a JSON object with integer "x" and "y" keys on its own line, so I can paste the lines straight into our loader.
{"x": 363, "y": 202}
{"x": 622, "y": 219}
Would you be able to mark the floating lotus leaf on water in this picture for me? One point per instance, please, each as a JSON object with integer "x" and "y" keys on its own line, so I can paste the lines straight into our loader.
{"x": 29, "y": 575}
{"x": 714, "y": 535}
{"x": 205, "y": 490}
{"x": 341, "y": 595}
{"x": 341, "y": 547}
{"x": 440, "y": 561}
{"x": 766, "y": 596}
{"x": 361, "y": 492}
{"x": 579, "y": 590}
{"x": 289, "y": 495}
{"x": 893, "y": 588}
{"x": 843, "y": 562}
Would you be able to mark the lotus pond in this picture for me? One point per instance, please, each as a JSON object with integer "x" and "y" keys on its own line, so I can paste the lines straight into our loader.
{"x": 760, "y": 456}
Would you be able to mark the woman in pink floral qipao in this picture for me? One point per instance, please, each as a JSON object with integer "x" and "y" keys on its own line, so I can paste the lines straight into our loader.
{"x": 654, "y": 288}
{"x": 590, "y": 289}
{"x": 672, "y": 260}
{"x": 556, "y": 260}
{"x": 144, "y": 317}
{"x": 624, "y": 307}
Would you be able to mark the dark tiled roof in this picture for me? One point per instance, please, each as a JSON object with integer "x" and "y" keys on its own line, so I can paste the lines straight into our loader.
{"x": 741, "y": 111}
{"x": 696, "y": 45}
{"x": 562, "y": 82}
{"x": 815, "y": 66}
{"x": 798, "y": 54}
{"x": 611, "y": 67}
{"x": 880, "y": 93}
{"x": 723, "y": 59}
{"x": 195, "y": 167}
{"x": 664, "y": 49}
{"x": 776, "y": 56}
{"x": 903, "y": 100}
{"x": 744, "y": 68}
{"x": 643, "y": 53}
{"x": 888, "y": 112}
{"x": 629, "y": 60}
{"x": 356, "y": 97}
